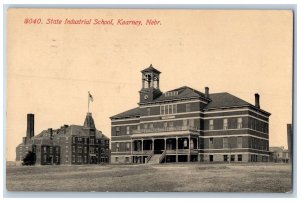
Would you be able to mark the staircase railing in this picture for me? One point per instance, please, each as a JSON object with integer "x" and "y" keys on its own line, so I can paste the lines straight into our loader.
{"x": 149, "y": 157}
{"x": 163, "y": 155}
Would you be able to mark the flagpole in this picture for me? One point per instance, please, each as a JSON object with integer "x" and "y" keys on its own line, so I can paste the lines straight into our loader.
{"x": 88, "y": 102}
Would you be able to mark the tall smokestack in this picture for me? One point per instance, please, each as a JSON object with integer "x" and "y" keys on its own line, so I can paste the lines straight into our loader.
{"x": 50, "y": 133}
{"x": 257, "y": 100}
{"x": 206, "y": 92}
{"x": 30, "y": 126}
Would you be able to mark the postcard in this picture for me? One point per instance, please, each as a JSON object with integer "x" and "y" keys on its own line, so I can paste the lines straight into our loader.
{"x": 149, "y": 100}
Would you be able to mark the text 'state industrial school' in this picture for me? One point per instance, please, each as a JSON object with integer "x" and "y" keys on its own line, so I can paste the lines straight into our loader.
{"x": 180, "y": 125}
{"x": 184, "y": 125}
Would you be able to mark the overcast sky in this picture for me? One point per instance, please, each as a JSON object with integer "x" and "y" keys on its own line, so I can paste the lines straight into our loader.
{"x": 51, "y": 68}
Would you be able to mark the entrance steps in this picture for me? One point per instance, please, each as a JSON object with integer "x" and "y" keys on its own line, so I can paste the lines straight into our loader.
{"x": 154, "y": 159}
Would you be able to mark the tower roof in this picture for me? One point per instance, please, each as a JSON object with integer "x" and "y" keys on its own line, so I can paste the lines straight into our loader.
{"x": 89, "y": 121}
{"x": 150, "y": 69}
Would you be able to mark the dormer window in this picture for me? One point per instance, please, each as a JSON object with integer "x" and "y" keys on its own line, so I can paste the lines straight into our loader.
{"x": 171, "y": 93}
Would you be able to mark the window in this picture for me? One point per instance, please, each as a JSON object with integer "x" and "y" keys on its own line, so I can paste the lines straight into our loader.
{"x": 185, "y": 143}
{"x": 166, "y": 109}
{"x": 188, "y": 107}
{"x": 85, "y": 140}
{"x": 79, "y": 139}
{"x": 57, "y": 149}
{"x": 239, "y": 123}
{"x": 211, "y": 143}
{"x": 73, "y": 139}
{"x": 50, "y": 150}
{"x": 116, "y": 159}
{"x": 170, "y": 109}
{"x": 225, "y": 124}
{"x": 73, "y": 158}
{"x": 211, "y": 124}
{"x": 165, "y": 124}
{"x": 79, "y": 159}
{"x": 252, "y": 145}
{"x": 174, "y": 108}
{"x": 127, "y": 130}
{"x": 127, "y": 159}
{"x": 171, "y": 93}
{"x": 79, "y": 149}
{"x": 117, "y": 147}
{"x": 85, "y": 159}
{"x": 225, "y": 157}
{"x": 92, "y": 141}
{"x": 45, "y": 158}
{"x": 73, "y": 149}
{"x": 92, "y": 150}
{"x": 240, "y": 157}
{"x": 85, "y": 149}
{"x": 162, "y": 110}
{"x": 117, "y": 131}
{"x": 148, "y": 111}
{"x": 225, "y": 142}
{"x": 127, "y": 145}
{"x": 232, "y": 157}
{"x": 191, "y": 122}
{"x": 185, "y": 122}
{"x": 211, "y": 158}
{"x": 45, "y": 149}
{"x": 151, "y": 125}
{"x": 239, "y": 142}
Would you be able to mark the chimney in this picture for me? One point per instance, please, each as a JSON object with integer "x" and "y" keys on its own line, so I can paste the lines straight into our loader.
{"x": 206, "y": 92}
{"x": 257, "y": 100}
{"x": 50, "y": 133}
{"x": 30, "y": 126}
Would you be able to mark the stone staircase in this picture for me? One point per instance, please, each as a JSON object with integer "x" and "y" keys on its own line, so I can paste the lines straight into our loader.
{"x": 154, "y": 159}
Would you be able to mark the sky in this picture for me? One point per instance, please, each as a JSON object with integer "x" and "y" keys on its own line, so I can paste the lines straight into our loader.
{"x": 51, "y": 67}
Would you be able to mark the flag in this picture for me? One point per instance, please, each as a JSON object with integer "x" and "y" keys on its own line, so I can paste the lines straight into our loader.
{"x": 90, "y": 97}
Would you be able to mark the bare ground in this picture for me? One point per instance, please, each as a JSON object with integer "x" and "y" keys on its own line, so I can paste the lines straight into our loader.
{"x": 191, "y": 177}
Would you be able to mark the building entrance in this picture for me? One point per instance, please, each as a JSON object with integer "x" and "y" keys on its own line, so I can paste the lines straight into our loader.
{"x": 159, "y": 146}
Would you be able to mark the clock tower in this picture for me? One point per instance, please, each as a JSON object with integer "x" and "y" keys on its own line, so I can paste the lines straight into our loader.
{"x": 150, "y": 85}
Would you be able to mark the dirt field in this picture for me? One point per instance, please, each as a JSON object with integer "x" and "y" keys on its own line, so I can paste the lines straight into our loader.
{"x": 152, "y": 178}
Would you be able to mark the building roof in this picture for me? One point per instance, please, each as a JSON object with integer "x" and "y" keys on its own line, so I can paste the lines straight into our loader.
{"x": 69, "y": 131}
{"x": 220, "y": 100}
{"x": 183, "y": 92}
{"x": 73, "y": 130}
{"x": 129, "y": 113}
{"x": 151, "y": 69}
{"x": 276, "y": 149}
{"x": 215, "y": 101}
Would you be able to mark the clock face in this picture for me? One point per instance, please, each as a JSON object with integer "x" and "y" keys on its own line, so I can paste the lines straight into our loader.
{"x": 146, "y": 97}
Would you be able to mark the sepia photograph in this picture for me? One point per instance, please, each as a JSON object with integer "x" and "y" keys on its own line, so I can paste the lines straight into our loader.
{"x": 149, "y": 100}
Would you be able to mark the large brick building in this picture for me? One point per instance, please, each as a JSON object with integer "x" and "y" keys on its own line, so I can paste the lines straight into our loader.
{"x": 67, "y": 145}
{"x": 183, "y": 125}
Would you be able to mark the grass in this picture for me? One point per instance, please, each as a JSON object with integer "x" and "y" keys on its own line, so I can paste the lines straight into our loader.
{"x": 183, "y": 177}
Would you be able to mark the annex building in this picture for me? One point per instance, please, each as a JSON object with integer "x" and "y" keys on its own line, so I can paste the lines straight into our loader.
{"x": 184, "y": 125}
{"x": 66, "y": 145}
